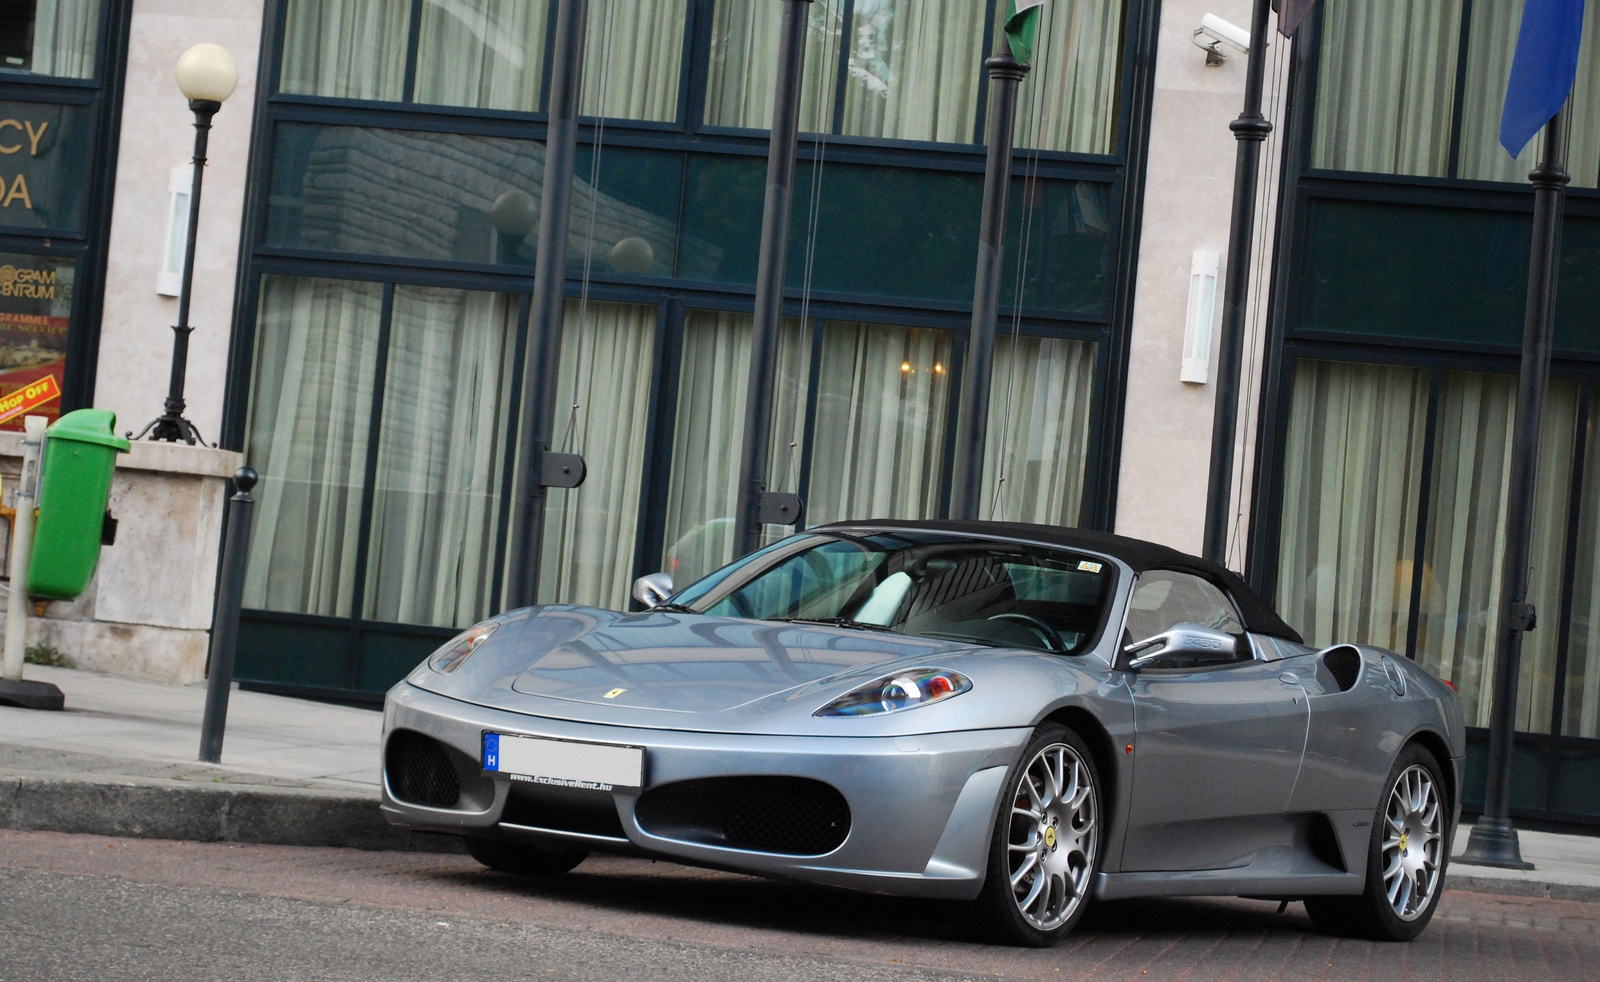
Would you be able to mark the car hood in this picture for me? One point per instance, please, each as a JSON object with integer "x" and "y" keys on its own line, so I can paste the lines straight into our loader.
{"x": 695, "y": 671}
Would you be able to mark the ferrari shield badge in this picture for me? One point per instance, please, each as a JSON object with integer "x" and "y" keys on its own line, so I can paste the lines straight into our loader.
{"x": 615, "y": 693}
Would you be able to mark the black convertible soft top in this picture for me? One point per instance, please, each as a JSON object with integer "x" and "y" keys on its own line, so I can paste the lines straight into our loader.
{"x": 1140, "y": 555}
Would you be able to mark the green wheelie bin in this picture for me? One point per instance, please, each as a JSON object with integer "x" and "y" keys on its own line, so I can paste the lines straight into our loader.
{"x": 80, "y": 455}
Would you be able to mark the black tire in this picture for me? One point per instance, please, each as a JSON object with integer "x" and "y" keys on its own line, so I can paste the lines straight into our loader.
{"x": 1066, "y": 855}
{"x": 524, "y": 859}
{"x": 1374, "y": 914}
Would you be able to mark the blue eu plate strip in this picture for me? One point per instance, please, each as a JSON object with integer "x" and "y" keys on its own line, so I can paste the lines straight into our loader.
{"x": 491, "y": 751}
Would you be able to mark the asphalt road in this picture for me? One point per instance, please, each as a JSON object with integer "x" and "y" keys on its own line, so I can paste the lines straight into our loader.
{"x": 83, "y": 907}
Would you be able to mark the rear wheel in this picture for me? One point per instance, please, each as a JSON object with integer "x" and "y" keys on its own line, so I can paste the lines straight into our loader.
{"x": 524, "y": 859}
{"x": 1406, "y": 860}
{"x": 1045, "y": 847}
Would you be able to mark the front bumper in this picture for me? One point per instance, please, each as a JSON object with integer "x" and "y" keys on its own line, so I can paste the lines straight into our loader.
{"x": 922, "y": 808}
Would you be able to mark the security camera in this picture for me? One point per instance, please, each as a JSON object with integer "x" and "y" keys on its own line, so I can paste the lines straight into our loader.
{"x": 1214, "y": 32}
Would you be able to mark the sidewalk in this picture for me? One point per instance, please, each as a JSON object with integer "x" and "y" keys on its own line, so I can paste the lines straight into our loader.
{"x": 120, "y": 760}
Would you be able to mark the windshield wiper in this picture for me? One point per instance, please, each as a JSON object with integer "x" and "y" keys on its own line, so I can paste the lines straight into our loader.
{"x": 847, "y": 622}
{"x": 674, "y": 608}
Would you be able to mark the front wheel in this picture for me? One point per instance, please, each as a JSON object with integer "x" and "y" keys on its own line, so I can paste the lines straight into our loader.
{"x": 1406, "y": 860}
{"x": 524, "y": 859}
{"x": 1045, "y": 847}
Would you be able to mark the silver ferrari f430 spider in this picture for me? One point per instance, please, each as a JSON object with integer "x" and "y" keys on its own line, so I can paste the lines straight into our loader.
{"x": 1021, "y": 717}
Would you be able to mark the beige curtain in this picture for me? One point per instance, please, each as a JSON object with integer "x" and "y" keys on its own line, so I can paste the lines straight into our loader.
{"x": 1495, "y": 24}
{"x": 1039, "y": 403}
{"x": 744, "y": 62}
{"x": 488, "y": 54}
{"x": 310, "y": 412}
{"x": 607, "y": 362}
{"x": 913, "y": 69}
{"x": 1459, "y": 616}
{"x": 1350, "y": 501}
{"x": 634, "y": 53}
{"x": 1581, "y": 715}
{"x": 1351, "y": 486}
{"x": 1068, "y": 101}
{"x": 1386, "y": 86}
{"x": 882, "y": 405}
{"x": 350, "y": 49}
{"x": 707, "y": 442}
{"x": 66, "y": 34}
{"x": 441, "y": 456}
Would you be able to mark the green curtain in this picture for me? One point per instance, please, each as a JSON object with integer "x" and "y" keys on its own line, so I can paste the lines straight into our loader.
{"x": 713, "y": 384}
{"x": 1068, "y": 101}
{"x": 441, "y": 456}
{"x": 310, "y": 412}
{"x": 602, "y": 408}
{"x": 348, "y": 49}
{"x": 1489, "y": 52}
{"x": 913, "y": 70}
{"x": 487, "y": 54}
{"x": 1040, "y": 398}
{"x": 1386, "y": 86}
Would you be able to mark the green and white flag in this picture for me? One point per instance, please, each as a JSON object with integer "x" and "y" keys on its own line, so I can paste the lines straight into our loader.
{"x": 1022, "y": 28}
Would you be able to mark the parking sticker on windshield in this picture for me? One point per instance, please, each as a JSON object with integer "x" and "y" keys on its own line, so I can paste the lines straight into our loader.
{"x": 1088, "y": 567}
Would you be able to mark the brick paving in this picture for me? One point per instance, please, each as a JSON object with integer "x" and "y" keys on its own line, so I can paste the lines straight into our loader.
{"x": 1474, "y": 935}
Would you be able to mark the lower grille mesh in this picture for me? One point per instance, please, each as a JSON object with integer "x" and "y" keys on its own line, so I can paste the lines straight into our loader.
{"x": 420, "y": 772}
{"x": 804, "y": 818}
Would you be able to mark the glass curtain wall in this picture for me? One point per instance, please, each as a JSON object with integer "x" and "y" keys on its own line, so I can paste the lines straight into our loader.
{"x": 1581, "y": 711}
{"x": 633, "y": 59}
{"x": 1068, "y": 101}
{"x": 1358, "y": 482}
{"x": 602, "y": 413}
{"x": 744, "y": 55}
{"x": 347, "y": 49}
{"x": 1040, "y": 398}
{"x": 1387, "y": 83}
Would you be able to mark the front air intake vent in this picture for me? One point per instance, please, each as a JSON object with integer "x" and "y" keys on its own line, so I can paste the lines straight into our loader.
{"x": 419, "y": 771}
{"x": 1344, "y": 664}
{"x": 792, "y": 816}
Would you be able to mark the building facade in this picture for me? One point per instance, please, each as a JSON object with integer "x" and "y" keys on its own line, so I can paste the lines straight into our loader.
{"x": 369, "y": 217}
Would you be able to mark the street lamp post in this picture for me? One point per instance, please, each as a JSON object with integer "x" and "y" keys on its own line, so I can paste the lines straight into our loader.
{"x": 206, "y": 75}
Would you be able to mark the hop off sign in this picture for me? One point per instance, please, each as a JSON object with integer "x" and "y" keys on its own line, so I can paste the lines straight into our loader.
{"x": 28, "y": 398}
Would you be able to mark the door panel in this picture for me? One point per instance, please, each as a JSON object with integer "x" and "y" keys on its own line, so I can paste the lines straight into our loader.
{"x": 1215, "y": 760}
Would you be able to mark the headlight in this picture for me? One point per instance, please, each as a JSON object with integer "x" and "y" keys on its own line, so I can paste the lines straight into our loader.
{"x": 449, "y": 658}
{"x": 902, "y": 690}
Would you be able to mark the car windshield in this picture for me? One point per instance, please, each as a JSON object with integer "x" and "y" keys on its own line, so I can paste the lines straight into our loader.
{"x": 979, "y": 591}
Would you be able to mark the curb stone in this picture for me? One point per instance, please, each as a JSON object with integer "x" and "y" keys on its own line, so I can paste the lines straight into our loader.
{"x": 152, "y": 808}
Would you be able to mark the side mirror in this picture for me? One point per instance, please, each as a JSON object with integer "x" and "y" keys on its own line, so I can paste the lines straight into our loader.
{"x": 652, "y": 588}
{"x": 1180, "y": 639}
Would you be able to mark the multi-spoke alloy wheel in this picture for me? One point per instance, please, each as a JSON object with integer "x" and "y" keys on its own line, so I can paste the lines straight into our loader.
{"x": 1406, "y": 859}
{"x": 1413, "y": 838}
{"x": 1045, "y": 845}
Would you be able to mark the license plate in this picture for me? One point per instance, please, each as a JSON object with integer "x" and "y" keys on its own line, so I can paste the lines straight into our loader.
{"x": 563, "y": 763}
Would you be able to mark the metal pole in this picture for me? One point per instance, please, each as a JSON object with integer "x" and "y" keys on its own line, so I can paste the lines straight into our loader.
{"x": 171, "y": 425}
{"x": 22, "y": 549}
{"x": 1493, "y": 841}
{"x": 972, "y": 420}
{"x": 1250, "y": 129}
{"x": 769, "y": 277}
{"x": 225, "y": 622}
{"x": 549, "y": 297}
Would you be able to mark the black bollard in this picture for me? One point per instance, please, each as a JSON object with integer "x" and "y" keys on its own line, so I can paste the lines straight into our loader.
{"x": 225, "y": 621}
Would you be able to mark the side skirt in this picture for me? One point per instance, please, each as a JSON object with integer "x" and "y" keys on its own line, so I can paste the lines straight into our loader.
{"x": 1226, "y": 883}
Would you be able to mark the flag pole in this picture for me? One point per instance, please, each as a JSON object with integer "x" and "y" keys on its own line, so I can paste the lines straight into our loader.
{"x": 972, "y": 419}
{"x": 1250, "y": 130}
{"x": 771, "y": 258}
{"x": 1493, "y": 841}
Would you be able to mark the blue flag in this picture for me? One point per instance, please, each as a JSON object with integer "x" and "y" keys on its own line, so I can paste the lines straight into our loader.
{"x": 1543, "y": 71}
